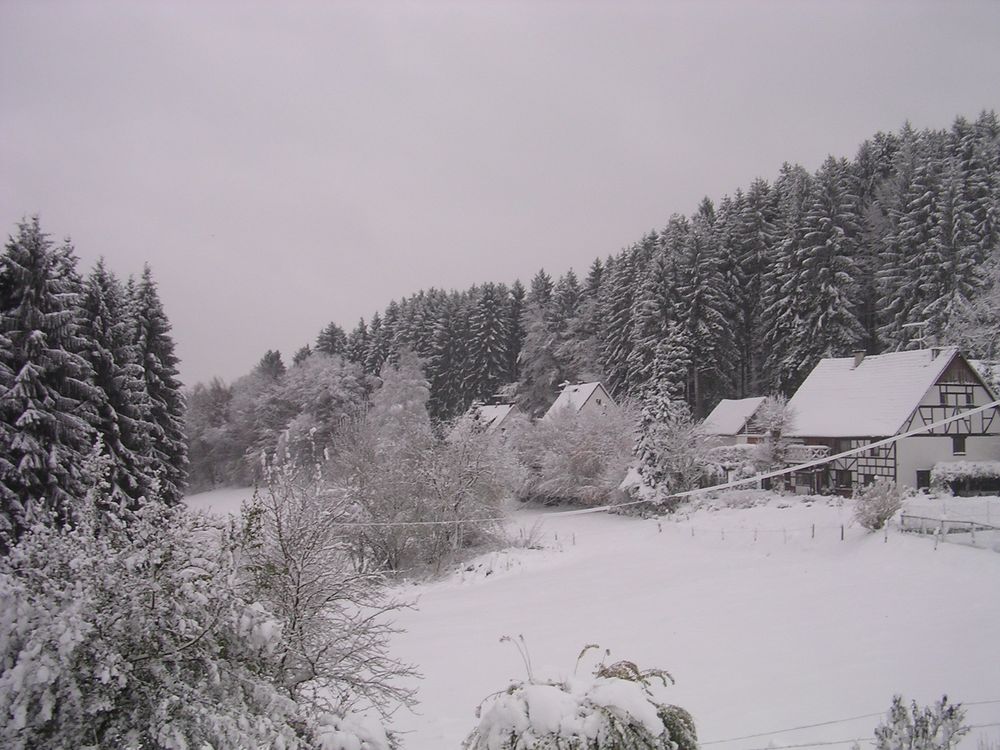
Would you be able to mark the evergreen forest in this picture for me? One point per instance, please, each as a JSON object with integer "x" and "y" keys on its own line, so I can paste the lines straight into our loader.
{"x": 893, "y": 249}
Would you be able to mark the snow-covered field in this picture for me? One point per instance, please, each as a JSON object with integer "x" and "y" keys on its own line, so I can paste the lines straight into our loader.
{"x": 766, "y": 619}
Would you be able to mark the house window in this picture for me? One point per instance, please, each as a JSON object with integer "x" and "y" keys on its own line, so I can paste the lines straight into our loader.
{"x": 598, "y": 402}
{"x": 843, "y": 477}
{"x": 869, "y": 479}
{"x": 958, "y": 445}
{"x": 970, "y": 398}
{"x": 923, "y": 479}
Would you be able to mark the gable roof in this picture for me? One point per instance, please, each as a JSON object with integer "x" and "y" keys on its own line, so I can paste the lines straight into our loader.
{"x": 574, "y": 396}
{"x": 873, "y": 399}
{"x": 491, "y": 415}
{"x": 731, "y": 415}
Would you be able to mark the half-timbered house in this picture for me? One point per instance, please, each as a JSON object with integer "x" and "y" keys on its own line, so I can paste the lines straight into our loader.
{"x": 850, "y": 402}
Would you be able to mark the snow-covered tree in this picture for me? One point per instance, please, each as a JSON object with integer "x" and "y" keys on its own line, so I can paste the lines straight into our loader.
{"x": 123, "y": 412}
{"x": 151, "y": 635}
{"x": 332, "y": 340}
{"x": 46, "y": 410}
{"x": 488, "y": 339}
{"x": 672, "y": 449}
{"x": 936, "y": 727}
{"x": 155, "y": 348}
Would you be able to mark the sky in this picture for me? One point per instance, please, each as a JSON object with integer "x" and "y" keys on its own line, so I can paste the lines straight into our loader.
{"x": 284, "y": 165}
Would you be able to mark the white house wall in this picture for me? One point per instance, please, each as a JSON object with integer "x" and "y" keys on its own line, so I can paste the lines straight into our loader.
{"x": 920, "y": 453}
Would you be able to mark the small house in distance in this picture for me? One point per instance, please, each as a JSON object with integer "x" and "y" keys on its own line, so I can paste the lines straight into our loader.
{"x": 581, "y": 398}
{"x": 491, "y": 417}
{"x": 850, "y": 402}
{"x": 731, "y": 421}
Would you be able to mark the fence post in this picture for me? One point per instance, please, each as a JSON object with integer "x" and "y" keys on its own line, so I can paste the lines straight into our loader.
{"x": 755, "y": 535}
{"x": 814, "y": 531}
{"x": 885, "y": 528}
{"x": 841, "y": 532}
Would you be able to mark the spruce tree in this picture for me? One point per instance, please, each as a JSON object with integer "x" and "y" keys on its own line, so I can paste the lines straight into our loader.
{"x": 828, "y": 323}
{"x": 515, "y": 328}
{"x": 123, "y": 409}
{"x": 46, "y": 409}
{"x": 357, "y": 343}
{"x": 166, "y": 403}
{"x": 332, "y": 340}
{"x": 488, "y": 344}
{"x": 617, "y": 295}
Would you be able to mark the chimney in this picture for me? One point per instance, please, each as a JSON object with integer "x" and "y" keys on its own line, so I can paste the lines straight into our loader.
{"x": 935, "y": 351}
{"x": 859, "y": 356}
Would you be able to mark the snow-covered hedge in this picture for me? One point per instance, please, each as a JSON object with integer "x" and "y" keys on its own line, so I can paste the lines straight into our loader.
{"x": 963, "y": 471}
{"x": 618, "y": 708}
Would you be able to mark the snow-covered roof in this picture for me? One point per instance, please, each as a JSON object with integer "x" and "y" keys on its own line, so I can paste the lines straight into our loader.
{"x": 574, "y": 397}
{"x": 872, "y": 399}
{"x": 730, "y": 416}
{"x": 491, "y": 415}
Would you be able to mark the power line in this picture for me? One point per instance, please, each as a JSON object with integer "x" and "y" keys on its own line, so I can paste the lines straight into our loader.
{"x": 837, "y": 721}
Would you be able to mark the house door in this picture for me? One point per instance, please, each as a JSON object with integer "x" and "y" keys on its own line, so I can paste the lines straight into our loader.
{"x": 923, "y": 479}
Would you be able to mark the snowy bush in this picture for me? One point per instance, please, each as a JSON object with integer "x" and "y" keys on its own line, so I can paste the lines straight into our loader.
{"x": 877, "y": 503}
{"x": 618, "y": 708}
{"x": 578, "y": 457}
{"x": 417, "y": 497}
{"x": 936, "y": 727}
{"x": 148, "y": 636}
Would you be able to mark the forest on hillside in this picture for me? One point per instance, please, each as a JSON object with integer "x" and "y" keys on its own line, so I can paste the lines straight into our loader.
{"x": 894, "y": 248}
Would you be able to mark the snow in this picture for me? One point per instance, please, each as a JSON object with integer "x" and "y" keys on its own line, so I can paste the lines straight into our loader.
{"x": 786, "y": 630}
{"x": 225, "y": 501}
{"x": 730, "y": 415}
{"x": 574, "y": 397}
{"x": 873, "y": 399}
{"x": 764, "y": 617}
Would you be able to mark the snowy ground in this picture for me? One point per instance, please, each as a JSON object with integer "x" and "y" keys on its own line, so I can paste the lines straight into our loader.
{"x": 766, "y": 619}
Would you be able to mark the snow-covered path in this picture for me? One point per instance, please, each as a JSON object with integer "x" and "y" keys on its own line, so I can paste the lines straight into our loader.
{"x": 760, "y": 635}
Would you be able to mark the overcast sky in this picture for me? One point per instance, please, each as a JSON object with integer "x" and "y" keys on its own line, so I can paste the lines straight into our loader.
{"x": 283, "y": 165}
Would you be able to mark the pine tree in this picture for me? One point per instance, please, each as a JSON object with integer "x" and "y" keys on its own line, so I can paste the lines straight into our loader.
{"x": 46, "y": 410}
{"x": 652, "y": 313}
{"x": 270, "y": 365}
{"x": 515, "y": 328}
{"x": 163, "y": 389}
{"x": 954, "y": 256}
{"x": 448, "y": 362}
{"x": 357, "y": 343}
{"x": 301, "y": 355}
{"x": 783, "y": 300}
{"x": 332, "y": 340}
{"x": 707, "y": 309}
{"x": 617, "y": 296}
{"x": 828, "y": 323}
{"x": 488, "y": 344}
{"x": 123, "y": 410}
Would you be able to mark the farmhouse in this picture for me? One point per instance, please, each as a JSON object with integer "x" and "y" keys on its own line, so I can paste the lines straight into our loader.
{"x": 731, "y": 421}
{"x": 491, "y": 417}
{"x": 850, "y": 402}
{"x": 581, "y": 398}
